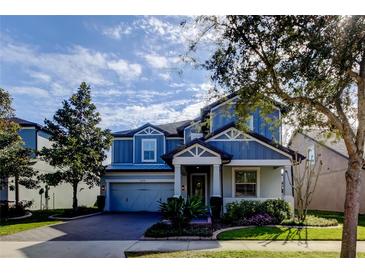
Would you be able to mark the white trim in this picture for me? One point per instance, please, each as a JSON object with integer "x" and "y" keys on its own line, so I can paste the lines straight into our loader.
{"x": 142, "y": 150}
{"x": 224, "y": 102}
{"x": 260, "y": 142}
{"x": 193, "y": 124}
{"x": 134, "y": 149}
{"x": 123, "y": 138}
{"x": 214, "y": 138}
{"x": 122, "y": 181}
{"x": 196, "y": 146}
{"x": 174, "y": 138}
{"x": 31, "y": 127}
{"x": 280, "y": 162}
{"x": 119, "y": 173}
{"x": 197, "y": 161}
{"x": 205, "y": 185}
{"x": 257, "y": 169}
{"x": 148, "y": 131}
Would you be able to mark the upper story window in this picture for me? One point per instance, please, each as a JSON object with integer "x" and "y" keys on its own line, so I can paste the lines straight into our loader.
{"x": 194, "y": 135}
{"x": 149, "y": 148}
{"x": 311, "y": 154}
{"x": 250, "y": 122}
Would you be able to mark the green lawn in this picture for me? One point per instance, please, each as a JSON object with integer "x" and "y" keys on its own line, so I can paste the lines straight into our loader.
{"x": 285, "y": 233}
{"x": 38, "y": 219}
{"x": 236, "y": 254}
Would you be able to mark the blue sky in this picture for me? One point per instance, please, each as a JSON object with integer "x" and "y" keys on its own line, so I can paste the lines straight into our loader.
{"x": 131, "y": 62}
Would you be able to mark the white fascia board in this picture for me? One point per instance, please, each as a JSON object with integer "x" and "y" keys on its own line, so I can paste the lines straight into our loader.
{"x": 197, "y": 161}
{"x": 116, "y": 180}
{"x": 279, "y": 162}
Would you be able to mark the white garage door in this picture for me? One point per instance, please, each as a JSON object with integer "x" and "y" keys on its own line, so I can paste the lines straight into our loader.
{"x": 139, "y": 196}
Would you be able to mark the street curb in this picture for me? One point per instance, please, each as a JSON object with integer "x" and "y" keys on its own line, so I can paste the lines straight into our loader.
{"x": 54, "y": 217}
{"x": 215, "y": 233}
{"x": 177, "y": 238}
{"x": 29, "y": 214}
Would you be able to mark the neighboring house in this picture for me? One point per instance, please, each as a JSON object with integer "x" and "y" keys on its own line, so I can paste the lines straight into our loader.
{"x": 331, "y": 186}
{"x": 36, "y": 137}
{"x": 154, "y": 162}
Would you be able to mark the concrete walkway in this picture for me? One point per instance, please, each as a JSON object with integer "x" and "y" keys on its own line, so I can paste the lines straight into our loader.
{"x": 116, "y": 249}
{"x": 239, "y": 245}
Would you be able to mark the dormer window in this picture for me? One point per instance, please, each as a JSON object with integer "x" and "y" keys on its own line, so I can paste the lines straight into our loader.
{"x": 195, "y": 136}
{"x": 311, "y": 155}
{"x": 250, "y": 122}
{"x": 149, "y": 147}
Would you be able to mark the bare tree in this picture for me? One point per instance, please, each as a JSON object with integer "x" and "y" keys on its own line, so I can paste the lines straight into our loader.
{"x": 304, "y": 183}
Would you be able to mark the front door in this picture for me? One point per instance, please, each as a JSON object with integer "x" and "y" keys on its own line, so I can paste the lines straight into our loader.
{"x": 198, "y": 185}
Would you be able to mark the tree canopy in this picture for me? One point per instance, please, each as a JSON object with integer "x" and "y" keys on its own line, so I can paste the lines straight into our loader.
{"x": 315, "y": 65}
{"x": 78, "y": 144}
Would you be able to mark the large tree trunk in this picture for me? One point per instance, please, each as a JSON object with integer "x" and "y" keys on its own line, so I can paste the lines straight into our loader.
{"x": 74, "y": 199}
{"x": 352, "y": 206}
{"x": 16, "y": 182}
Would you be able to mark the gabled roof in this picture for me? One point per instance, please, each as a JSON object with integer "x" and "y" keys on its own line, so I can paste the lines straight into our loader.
{"x": 259, "y": 137}
{"x": 332, "y": 143}
{"x": 207, "y": 108}
{"x": 26, "y": 123}
{"x": 169, "y": 156}
{"x": 169, "y": 130}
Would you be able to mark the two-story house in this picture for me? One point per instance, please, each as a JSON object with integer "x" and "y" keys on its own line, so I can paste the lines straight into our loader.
{"x": 154, "y": 162}
{"x": 36, "y": 137}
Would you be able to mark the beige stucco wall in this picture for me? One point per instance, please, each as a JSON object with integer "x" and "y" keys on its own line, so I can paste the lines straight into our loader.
{"x": 270, "y": 181}
{"x": 331, "y": 187}
{"x": 61, "y": 195}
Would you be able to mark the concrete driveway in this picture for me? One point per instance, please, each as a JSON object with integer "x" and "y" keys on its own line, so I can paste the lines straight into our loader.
{"x": 105, "y": 227}
{"x": 101, "y": 236}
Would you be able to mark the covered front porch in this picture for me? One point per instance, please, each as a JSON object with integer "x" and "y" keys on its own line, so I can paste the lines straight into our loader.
{"x": 202, "y": 171}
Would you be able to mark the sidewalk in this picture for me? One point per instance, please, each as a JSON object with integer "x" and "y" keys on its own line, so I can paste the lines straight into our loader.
{"x": 283, "y": 246}
{"x": 117, "y": 249}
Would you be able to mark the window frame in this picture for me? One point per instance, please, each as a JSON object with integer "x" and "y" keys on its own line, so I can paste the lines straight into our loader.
{"x": 257, "y": 169}
{"x": 311, "y": 148}
{"x": 143, "y": 141}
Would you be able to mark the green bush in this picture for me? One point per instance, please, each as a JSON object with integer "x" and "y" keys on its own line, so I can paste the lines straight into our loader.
{"x": 180, "y": 212}
{"x": 237, "y": 212}
{"x": 278, "y": 209}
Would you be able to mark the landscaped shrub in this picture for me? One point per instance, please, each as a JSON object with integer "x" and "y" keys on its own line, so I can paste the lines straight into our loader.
{"x": 239, "y": 212}
{"x": 259, "y": 219}
{"x": 216, "y": 207}
{"x": 20, "y": 209}
{"x": 180, "y": 212}
{"x": 279, "y": 209}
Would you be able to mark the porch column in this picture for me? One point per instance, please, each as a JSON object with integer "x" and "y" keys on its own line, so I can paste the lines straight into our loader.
{"x": 177, "y": 182}
{"x": 217, "y": 192}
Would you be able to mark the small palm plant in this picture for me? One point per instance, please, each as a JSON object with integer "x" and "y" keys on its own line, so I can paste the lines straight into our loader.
{"x": 180, "y": 212}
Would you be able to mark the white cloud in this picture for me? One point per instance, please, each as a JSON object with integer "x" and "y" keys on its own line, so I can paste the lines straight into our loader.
{"x": 117, "y": 32}
{"x": 31, "y": 91}
{"x": 165, "y": 76}
{"x": 42, "y": 77}
{"x": 125, "y": 70}
{"x": 70, "y": 68}
{"x": 157, "y": 61}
